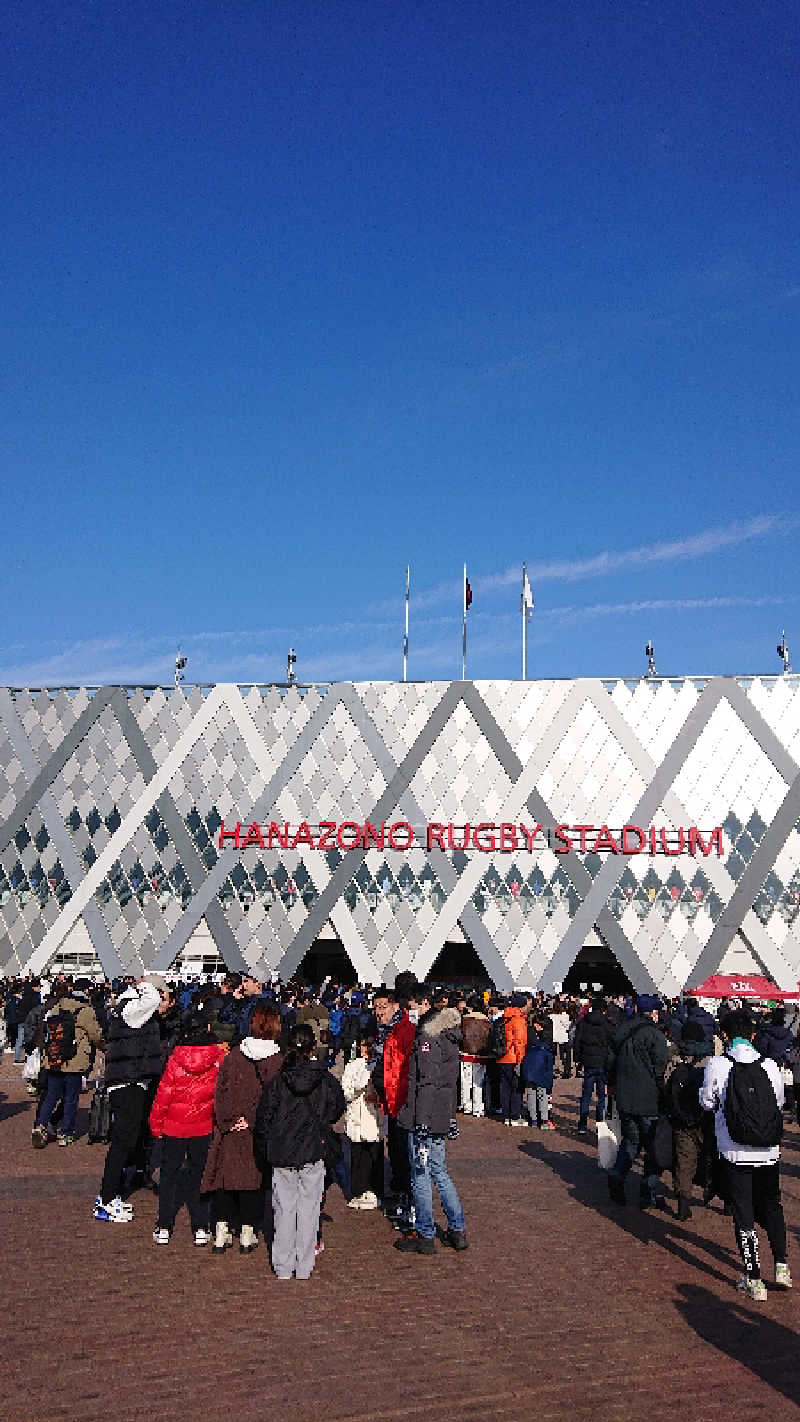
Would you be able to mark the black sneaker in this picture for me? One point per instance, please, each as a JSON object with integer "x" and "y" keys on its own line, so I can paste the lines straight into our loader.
{"x": 457, "y": 1239}
{"x": 414, "y": 1243}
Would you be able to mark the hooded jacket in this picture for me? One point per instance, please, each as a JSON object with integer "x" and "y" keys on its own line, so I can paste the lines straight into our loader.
{"x": 184, "y": 1102}
{"x": 636, "y": 1064}
{"x": 87, "y": 1032}
{"x": 516, "y": 1036}
{"x": 133, "y": 1040}
{"x": 775, "y": 1041}
{"x": 241, "y": 1080}
{"x": 592, "y": 1037}
{"x": 286, "y": 1131}
{"x": 433, "y": 1072}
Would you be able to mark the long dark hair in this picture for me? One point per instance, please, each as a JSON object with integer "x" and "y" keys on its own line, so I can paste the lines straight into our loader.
{"x": 300, "y": 1045}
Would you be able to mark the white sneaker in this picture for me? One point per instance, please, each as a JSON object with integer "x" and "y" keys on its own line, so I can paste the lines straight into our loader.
{"x": 201, "y": 1237}
{"x": 121, "y": 1206}
{"x": 369, "y": 1200}
{"x": 355, "y": 1203}
{"x": 783, "y": 1279}
{"x": 161, "y": 1236}
{"x": 114, "y": 1213}
{"x": 755, "y": 1289}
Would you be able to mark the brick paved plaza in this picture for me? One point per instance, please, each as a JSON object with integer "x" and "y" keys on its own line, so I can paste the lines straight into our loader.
{"x": 564, "y": 1307}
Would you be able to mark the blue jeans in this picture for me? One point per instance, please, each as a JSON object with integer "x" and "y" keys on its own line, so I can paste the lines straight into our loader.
{"x": 68, "y": 1085}
{"x": 426, "y": 1158}
{"x": 592, "y": 1080}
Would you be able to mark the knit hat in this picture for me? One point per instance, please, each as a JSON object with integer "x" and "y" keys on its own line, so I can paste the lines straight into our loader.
{"x": 646, "y": 1002}
{"x": 693, "y": 1039}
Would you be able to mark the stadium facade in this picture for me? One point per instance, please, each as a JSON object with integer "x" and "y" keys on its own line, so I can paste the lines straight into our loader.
{"x": 537, "y": 833}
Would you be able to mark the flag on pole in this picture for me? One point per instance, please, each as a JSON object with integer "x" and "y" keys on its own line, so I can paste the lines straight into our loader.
{"x": 467, "y": 601}
{"x": 526, "y": 608}
{"x": 405, "y": 638}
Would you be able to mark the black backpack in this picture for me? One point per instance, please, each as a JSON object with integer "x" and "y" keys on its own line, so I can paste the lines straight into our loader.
{"x": 752, "y": 1114}
{"x": 59, "y": 1039}
{"x": 497, "y": 1045}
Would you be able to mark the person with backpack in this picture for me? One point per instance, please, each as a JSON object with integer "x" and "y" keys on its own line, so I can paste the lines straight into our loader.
{"x": 745, "y": 1091}
{"x": 637, "y": 1061}
{"x": 69, "y": 1031}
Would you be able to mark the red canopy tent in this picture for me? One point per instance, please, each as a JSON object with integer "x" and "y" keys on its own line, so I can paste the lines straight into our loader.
{"x": 746, "y": 985}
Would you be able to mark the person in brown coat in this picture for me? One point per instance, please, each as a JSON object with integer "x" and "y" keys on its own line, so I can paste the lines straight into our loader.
{"x": 231, "y": 1171}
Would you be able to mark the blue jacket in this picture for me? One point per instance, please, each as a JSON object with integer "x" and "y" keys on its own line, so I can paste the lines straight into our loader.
{"x": 537, "y": 1066}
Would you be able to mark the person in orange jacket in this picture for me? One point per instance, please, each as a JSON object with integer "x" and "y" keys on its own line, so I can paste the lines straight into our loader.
{"x": 516, "y": 1045}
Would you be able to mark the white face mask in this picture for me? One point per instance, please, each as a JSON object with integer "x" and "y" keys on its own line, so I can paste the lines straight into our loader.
{"x": 413, "y": 1015}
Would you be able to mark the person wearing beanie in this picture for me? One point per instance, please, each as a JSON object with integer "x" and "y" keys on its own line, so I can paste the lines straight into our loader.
{"x": 637, "y": 1060}
{"x": 684, "y": 1112}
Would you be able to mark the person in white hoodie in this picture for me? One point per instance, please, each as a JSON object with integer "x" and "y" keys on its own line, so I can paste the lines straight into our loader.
{"x": 363, "y": 1130}
{"x": 751, "y": 1170}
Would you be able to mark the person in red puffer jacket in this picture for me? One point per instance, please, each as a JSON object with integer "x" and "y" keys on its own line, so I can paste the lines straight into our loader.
{"x": 182, "y": 1115}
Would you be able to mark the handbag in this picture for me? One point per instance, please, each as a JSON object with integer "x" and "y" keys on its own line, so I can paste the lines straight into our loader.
{"x": 33, "y": 1065}
{"x": 608, "y": 1139}
{"x": 663, "y": 1144}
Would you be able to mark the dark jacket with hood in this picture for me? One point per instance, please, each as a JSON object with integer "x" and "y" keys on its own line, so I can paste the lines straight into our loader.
{"x": 133, "y": 1041}
{"x": 703, "y": 1018}
{"x": 433, "y": 1072}
{"x": 636, "y": 1063}
{"x": 774, "y": 1041}
{"x": 592, "y": 1039}
{"x": 286, "y": 1132}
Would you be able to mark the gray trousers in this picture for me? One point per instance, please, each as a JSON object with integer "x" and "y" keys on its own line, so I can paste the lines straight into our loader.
{"x": 296, "y": 1200}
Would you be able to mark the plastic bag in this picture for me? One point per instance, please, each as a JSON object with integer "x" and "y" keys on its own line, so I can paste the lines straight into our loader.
{"x": 33, "y": 1065}
{"x": 608, "y": 1139}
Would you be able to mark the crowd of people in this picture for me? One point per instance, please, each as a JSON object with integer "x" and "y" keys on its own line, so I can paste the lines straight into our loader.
{"x": 230, "y": 1093}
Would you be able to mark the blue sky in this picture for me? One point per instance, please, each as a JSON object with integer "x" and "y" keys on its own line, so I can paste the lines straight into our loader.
{"x": 295, "y": 294}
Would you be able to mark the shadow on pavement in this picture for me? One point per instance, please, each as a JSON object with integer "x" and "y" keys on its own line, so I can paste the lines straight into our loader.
{"x": 755, "y": 1339}
{"x": 588, "y": 1184}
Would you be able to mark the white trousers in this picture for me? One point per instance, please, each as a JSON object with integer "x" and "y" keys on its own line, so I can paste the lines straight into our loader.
{"x": 473, "y": 1075}
{"x": 296, "y": 1200}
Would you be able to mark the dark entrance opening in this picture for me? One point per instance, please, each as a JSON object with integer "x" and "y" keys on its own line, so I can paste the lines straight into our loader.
{"x": 596, "y": 964}
{"x": 326, "y": 959}
{"x": 458, "y": 965}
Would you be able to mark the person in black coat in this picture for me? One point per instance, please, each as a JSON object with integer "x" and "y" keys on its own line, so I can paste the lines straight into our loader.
{"x": 293, "y": 1134}
{"x": 592, "y": 1040}
{"x": 637, "y": 1061}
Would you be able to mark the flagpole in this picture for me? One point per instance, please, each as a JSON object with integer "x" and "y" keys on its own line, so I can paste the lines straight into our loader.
{"x": 405, "y": 639}
{"x": 464, "y": 630}
{"x": 524, "y": 629}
